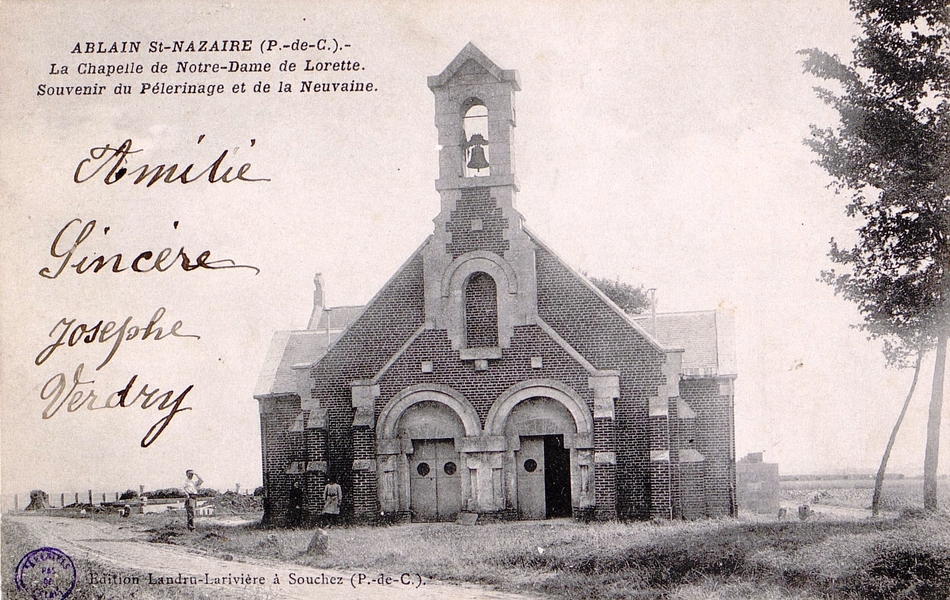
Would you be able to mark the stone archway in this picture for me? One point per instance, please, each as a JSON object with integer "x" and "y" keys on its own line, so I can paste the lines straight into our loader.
{"x": 419, "y": 466}
{"x": 549, "y": 463}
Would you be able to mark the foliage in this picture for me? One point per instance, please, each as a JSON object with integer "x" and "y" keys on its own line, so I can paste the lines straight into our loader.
{"x": 632, "y": 299}
{"x": 259, "y": 491}
{"x": 891, "y": 151}
{"x": 129, "y": 495}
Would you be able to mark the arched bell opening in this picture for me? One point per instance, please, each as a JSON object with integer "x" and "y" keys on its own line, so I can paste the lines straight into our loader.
{"x": 475, "y": 155}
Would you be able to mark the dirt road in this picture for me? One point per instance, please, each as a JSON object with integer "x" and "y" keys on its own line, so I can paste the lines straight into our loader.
{"x": 202, "y": 576}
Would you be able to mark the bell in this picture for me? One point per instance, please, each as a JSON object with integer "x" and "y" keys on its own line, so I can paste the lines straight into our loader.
{"x": 477, "y": 160}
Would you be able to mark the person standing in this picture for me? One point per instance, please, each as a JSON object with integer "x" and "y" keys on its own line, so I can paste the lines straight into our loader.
{"x": 332, "y": 496}
{"x": 192, "y": 483}
{"x": 295, "y": 518}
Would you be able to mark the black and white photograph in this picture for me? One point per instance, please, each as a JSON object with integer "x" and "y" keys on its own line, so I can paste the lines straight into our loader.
{"x": 474, "y": 299}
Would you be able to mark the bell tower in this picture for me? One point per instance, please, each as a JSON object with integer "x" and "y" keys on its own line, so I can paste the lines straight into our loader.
{"x": 479, "y": 265}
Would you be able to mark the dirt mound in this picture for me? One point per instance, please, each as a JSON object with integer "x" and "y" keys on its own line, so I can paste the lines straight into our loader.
{"x": 230, "y": 503}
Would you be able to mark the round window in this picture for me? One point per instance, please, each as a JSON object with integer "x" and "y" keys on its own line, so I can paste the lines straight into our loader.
{"x": 530, "y": 465}
{"x": 449, "y": 468}
{"x": 423, "y": 469}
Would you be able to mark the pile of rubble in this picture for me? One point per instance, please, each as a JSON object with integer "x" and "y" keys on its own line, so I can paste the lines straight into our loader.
{"x": 230, "y": 503}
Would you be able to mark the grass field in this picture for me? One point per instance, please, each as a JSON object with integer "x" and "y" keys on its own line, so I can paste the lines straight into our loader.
{"x": 896, "y": 495}
{"x": 907, "y": 557}
{"x": 748, "y": 558}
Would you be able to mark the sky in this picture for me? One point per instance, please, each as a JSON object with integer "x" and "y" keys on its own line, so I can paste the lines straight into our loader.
{"x": 657, "y": 143}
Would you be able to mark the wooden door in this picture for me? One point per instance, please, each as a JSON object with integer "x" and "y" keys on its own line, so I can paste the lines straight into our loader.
{"x": 530, "y": 467}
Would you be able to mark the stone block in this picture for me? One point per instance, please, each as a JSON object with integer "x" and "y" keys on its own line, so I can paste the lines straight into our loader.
{"x": 319, "y": 543}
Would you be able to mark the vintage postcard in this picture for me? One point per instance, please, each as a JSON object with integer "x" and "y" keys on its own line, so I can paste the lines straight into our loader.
{"x": 462, "y": 299}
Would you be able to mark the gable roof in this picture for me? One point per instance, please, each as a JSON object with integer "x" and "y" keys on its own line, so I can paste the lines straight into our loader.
{"x": 470, "y": 52}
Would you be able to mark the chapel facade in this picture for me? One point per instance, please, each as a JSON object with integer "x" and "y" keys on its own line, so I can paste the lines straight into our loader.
{"x": 489, "y": 377}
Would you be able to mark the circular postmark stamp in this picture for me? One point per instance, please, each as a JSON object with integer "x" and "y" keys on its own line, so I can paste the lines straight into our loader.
{"x": 46, "y": 574}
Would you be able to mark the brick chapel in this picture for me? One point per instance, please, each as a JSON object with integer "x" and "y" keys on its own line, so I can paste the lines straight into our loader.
{"x": 489, "y": 377}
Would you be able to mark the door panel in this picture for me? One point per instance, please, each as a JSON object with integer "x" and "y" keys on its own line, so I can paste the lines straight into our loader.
{"x": 422, "y": 494}
{"x": 448, "y": 481}
{"x": 530, "y": 469}
{"x": 435, "y": 485}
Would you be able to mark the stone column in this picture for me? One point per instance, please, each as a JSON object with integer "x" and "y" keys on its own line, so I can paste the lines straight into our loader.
{"x": 606, "y": 386}
{"x": 484, "y": 458}
{"x": 363, "y": 490}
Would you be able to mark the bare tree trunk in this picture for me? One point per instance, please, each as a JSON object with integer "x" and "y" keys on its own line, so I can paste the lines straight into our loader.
{"x": 879, "y": 480}
{"x": 933, "y": 424}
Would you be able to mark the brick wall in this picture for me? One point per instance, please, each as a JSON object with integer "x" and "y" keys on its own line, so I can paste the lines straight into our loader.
{"x": 482, "y": 388}
{"x": 714, "y": 438}
{"x": 609, "y": 342}
{"x": 476, "y": 204}
{"x": 391, "y": 318}
{"x": 281, "y": 447}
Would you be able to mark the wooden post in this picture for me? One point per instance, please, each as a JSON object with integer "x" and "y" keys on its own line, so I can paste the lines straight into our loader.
{"x": 90, "y": 497}
{"x": 76, "y": 500}
{"x": 16, "y": 502}
{"x": 103, "y": 497}
{"x": 62, "y": 500}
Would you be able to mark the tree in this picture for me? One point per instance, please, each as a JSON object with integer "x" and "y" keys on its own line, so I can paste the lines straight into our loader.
{"x": 631, "y": 299}
{"x": 891, "y": 152}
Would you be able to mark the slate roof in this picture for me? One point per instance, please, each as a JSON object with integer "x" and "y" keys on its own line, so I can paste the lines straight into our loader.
{"x": 306, "y": 346}
{"x": 339, "y": 317}
{"x": 706, "y": 336}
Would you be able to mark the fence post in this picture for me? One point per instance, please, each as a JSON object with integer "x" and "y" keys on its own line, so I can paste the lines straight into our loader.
{"x": 76, "y": 499}
{"x": 90, "y": 497}
{"x": 62, "y": 500}
{"x": 16, "y": 502}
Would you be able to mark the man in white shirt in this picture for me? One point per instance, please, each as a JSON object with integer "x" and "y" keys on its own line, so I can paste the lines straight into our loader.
{"x": 192, "y": 482}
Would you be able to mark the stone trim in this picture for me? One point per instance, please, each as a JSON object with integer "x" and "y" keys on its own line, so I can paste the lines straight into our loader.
{"x": 477, "y": 258}
{"x": 684, "y": 410}
{"x": 606, "y": 389}
{"x": 691, "y": 455}
{"x": 551, "y": 333}
{"x": 493, "y": 352}
{"x": 605, "y": 458}
{"x": 549, "y": 388}
{"x": 398, "y": 354}
{"x": 659, "y": 407}
{"x": 317, "y": 466}
{"x": 391, "y": 413}
{"x": 317, "y": 419}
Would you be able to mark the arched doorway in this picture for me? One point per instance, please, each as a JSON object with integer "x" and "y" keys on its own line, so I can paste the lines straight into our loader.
{"x": 420, "y": 471}
{"x": 549, "y": 464}
{"x": 435, "y": 489}
{"x": 538, "y": 427}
